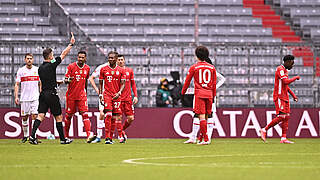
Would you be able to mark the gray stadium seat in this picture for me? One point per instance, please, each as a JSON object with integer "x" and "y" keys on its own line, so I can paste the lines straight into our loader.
{"x": 104, "y": 20}
{"x": 86, "y": 2}
{"x": 16, "y": 20}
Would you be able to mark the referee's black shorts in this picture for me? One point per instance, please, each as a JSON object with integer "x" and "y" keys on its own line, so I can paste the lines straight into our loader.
{"x": 49, "y": 99}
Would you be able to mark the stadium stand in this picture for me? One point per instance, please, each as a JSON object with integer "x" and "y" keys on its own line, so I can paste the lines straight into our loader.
{"x": 156, "y": 36}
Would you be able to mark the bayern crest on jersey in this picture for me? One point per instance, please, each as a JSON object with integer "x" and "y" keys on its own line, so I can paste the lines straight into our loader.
{"x": 80, "y": 71}
{"x": 127, "y": 73}
{"x": 117, "y": 73}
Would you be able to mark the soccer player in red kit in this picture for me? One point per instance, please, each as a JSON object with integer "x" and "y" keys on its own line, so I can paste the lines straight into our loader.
{"x": 126, "y": 106}
{"x": 205, "y": 78}
{"x": 113, "y": 77}
{"x": 281, "y": 98}
{"x": 76, "y": 96}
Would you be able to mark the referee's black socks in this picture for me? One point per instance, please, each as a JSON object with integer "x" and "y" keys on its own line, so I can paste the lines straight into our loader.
{"x": 35, "y": 127}
{"x": 60, "y": 130}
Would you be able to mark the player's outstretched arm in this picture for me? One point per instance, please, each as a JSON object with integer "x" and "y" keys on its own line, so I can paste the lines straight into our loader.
{"x": 100, "y": 91}
{"x": 134, "y": 89}
{"x": 16, "y": 92}
{"x": 68, "y": 48}
{"x": 187, "y": 81}
{"x": 295, "y": 98}
{"x": 289, "y": 81}
{"x": 122, "y": 85}
{"x": 220, "y": 79}
{"x": 40, "y": 86}
{"x": 68, "y": 80}
{"x": 91, "y": 80}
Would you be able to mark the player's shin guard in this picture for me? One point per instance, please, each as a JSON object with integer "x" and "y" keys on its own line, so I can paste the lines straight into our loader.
{"x": 285, "y": 126}
{"x": 25, "y": 128}
{"x": 203, "y": 129}
{"x": 210, "y": 128}
{"x": 67, "y": 123}
{"x": 274, "y": 121}
{"x": 113, "y": 127}
{"x": 86, "y": 123}
{"x": 107, "y": 123}
{"x": 195, "y": 128}
{"x": 119, "y": 128}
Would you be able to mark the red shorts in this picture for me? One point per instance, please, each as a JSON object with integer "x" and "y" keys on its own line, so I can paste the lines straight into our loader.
{"x": 112, "y": 105}
{"x": 73, "y": 105}
{"x": 202, "y": 105}
{"x": 282, "y": 106}
{"x": 127, "y": 108}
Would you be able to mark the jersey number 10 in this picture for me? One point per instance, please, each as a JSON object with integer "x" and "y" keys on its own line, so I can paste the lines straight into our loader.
{"x": 204, "y": 77}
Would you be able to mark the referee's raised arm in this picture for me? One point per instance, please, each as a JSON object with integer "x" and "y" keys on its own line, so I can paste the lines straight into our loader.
{"x": 68, "y": 48}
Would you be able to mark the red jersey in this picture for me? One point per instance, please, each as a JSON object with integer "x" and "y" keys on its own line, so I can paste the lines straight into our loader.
{"x": 130, "y": 83}
{"x": 77, "y": 88}
{"x": 280, "y": 89}
{"x": 112, "y": 79}
{"x": 205, "y": 79}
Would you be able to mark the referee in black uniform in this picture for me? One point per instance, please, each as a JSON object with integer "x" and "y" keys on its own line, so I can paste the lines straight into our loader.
{"x": 48, "y": 96}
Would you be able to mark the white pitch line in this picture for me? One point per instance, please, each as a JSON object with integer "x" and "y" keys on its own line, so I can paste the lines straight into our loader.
{"x": 56, "y": 165}
{"x": 137, "y": 161}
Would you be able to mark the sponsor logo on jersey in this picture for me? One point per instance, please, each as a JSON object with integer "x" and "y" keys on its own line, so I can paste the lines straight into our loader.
{"x": 109, "y": 78}
{"x": 78, "y": 77}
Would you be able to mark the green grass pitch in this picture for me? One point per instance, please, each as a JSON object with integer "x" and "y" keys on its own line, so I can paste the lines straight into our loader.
{"x": 161, "y": 159}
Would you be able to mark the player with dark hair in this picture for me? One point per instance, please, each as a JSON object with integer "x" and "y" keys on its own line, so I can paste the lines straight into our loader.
{"x": 48, "y": 98}
{"x": 113, "y": 78}
{"x": 196, "y": 122}
{"x": 28, "y": 77}
{"x": 281, "y": 99}
{"x": 205, "y": 78}
{"x": 127, "y": 103}
{"x": 76, "y": 96}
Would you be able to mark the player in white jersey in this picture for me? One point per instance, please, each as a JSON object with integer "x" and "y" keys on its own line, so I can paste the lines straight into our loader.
{"x": 210, "y": 123}
{"x": 100, "y": 122}
{"x": 28, "y": 77}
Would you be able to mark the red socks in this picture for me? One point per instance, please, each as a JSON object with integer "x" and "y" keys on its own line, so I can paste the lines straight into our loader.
{"x": 126, "y": 124}
{"x": 119, "y": 128}
{"x": 87, "y": 126}
{"x": 275, "y": 121}
{"x": 285, "y": 126}
{"x": 86, "y": 123}
{"x": 107, "y": 123}
{"x": 67, "y": 123}
{"x": 203, "y": 129}
{"x": 113, "y": 127}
